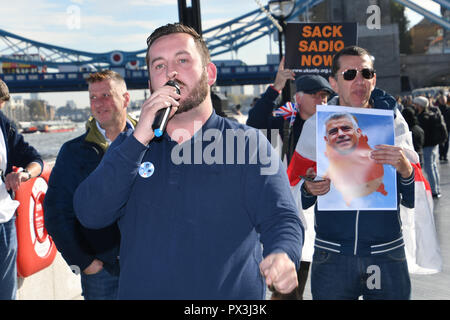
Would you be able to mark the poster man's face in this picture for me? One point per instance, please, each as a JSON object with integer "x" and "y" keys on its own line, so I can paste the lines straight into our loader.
{"x": 341, "y": 135}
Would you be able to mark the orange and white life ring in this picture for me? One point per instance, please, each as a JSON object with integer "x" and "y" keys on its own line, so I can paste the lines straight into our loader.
{"x": 36, "y": 249}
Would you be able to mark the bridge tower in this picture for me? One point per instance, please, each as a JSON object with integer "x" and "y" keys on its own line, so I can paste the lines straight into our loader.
{"x": 383, "y": 42}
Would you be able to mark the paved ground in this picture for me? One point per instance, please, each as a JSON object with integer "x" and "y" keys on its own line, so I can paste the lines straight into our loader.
{"x": 437, "y": 286}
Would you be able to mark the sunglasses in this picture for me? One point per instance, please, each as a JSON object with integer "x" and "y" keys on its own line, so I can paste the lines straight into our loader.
{"x": 350, "y": 74}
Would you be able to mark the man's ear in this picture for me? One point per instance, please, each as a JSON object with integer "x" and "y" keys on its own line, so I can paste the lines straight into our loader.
{"x": 374, "y": 80}
{"x": 211, "y": 70}
{"x": 149, "y": 85}
{"x": 333, "y": 83}
{"x": 126, "y": 96}
{"x": 298, "y": 98}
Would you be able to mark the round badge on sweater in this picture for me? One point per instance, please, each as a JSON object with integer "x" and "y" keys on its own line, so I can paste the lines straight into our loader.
{"x": 146, "y": 169}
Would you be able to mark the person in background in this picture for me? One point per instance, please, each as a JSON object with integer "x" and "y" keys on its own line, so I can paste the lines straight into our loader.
{"x": 407, "y": 101}
{"x": 238, "y": 115}
{"x": 14, "y": 151}
{"x": 430, "y": 147}
{"x": 311, "y": 90}
{"x": 418, "y": 135}
{"x": 399, "y": 103}
{"x": 94, "y": 253}
{"x": 445, "y": 111}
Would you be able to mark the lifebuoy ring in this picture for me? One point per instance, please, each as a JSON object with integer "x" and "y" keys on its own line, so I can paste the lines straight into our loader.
{"x": 36, "y": 249}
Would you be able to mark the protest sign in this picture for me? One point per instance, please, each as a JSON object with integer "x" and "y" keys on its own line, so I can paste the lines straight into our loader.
{"x": 310, "y": 47}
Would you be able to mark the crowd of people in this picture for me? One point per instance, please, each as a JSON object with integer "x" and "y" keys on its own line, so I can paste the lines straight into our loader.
{"x": 140, "y": 225}
{"x": 426, "y": 117}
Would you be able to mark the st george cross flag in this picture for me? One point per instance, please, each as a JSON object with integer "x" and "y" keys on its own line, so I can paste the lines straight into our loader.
{"x": 288, "y": 112}
{"x": 419, "y": 231}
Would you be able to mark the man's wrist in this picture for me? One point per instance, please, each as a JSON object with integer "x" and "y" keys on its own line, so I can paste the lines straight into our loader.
{"x": 26, "y": 172}
{"x": 305, "y": 191}
{"x": 409, "y": 178}
{"x": 274, "y": 88}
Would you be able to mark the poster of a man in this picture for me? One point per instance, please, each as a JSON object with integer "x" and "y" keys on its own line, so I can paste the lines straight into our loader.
{"x": 345, "y": 138}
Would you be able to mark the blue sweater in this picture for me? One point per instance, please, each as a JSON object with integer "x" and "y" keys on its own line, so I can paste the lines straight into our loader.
{"x": 193, "y": 229}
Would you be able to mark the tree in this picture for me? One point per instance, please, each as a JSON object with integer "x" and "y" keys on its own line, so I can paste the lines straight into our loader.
{"x": 398, "y": 16}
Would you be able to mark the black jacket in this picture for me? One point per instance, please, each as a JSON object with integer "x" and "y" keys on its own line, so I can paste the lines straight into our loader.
{"x": 425, "y": 122}
{"x": 78, "y": 245}
{"x": 260, "y": 117}
{"x": 18, "y": 152}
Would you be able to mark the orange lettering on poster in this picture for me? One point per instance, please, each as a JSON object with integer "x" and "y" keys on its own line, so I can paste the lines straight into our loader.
{"x": 314, "y": 51}
{"x": 316, "y": 60}
{"x": 337, "y": 31}
{"x": 306, "y": 60}
{"x": 324, "y": 32}
{"x": 320, "y": 46}
{"x": 306, "y": 32}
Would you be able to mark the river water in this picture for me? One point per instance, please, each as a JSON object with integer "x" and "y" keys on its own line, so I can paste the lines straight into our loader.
{"x": 49, "y": 143}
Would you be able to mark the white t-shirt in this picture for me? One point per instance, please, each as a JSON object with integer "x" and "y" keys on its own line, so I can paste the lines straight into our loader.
{"x": 7, "y": 205}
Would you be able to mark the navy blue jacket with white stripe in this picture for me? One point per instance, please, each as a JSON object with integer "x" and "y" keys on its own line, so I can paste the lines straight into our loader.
{"x": 362, "y": 232}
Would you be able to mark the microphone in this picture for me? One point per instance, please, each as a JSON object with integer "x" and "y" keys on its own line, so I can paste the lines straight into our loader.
{"x": 162, "y": 116}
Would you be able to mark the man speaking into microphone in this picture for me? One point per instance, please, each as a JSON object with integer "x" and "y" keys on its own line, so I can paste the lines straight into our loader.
{"x": 193, "y": 231}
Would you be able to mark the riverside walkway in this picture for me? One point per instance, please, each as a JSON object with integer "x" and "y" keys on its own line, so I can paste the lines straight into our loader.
{"x": 435, "y": 286}
{"x": 58, "y": 283}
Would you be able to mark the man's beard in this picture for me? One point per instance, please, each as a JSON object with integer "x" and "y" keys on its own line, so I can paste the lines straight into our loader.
{"x": 197, "y": 95}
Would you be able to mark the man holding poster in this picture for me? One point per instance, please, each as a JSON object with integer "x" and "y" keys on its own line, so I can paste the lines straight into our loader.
{"x": 357, "y": 252}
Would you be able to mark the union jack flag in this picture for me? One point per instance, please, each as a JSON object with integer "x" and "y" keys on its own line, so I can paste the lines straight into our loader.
{"x": 288, "y": 112}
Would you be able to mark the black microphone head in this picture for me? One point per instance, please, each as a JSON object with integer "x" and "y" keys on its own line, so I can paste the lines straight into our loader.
{"x": 173, "y": 84}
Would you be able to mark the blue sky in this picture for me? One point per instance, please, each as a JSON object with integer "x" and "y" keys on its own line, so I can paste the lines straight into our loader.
{"x": 107, "y": 25}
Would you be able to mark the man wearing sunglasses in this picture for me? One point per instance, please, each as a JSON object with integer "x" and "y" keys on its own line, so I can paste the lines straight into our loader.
{"x": 360, "y": 253}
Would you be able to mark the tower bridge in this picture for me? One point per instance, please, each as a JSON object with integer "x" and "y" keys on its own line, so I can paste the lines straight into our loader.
{"x": 73, "y": 66}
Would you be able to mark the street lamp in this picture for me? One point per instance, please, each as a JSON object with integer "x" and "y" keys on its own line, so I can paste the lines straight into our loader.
{"x": 281, "y": 10}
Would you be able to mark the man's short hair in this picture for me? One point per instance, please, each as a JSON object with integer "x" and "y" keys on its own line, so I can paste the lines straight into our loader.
{"x": 171, "y": 28}
{"x": 4, "y": 91}
{"x": 105, "y": 75}
{"x": 348, "y": 51}
{"x": 339, "y": 115}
